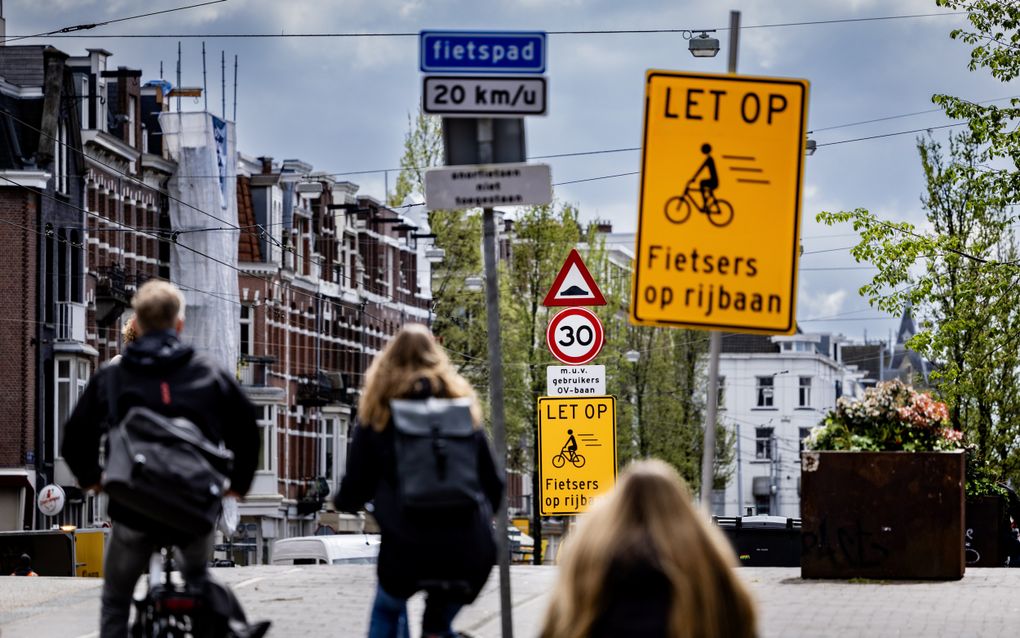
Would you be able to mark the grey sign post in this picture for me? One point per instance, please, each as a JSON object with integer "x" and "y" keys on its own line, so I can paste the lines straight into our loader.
{"x": 472, "y": 139}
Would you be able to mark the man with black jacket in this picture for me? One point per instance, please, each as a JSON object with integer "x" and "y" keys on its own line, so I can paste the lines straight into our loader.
{"x": 159, "y": 372}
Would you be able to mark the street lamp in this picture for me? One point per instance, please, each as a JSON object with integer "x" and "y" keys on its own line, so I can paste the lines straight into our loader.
{"x": 810, "y": 147}
{"x": 632, "y": 356}
{"x": 703, "y": 46}
{"x": 473, "y": 284}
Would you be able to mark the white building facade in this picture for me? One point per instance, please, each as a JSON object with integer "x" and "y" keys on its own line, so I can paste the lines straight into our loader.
{"x": 773, "y": 390}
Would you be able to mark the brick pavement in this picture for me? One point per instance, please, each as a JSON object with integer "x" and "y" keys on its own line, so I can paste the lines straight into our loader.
{"x": 311, "y": 601}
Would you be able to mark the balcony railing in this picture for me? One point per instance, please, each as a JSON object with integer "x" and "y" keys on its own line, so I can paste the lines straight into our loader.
{"x": 112, "y": 295}
{"x": 70, "y": 321}
{"x": 321, "y": 389}
{"x": 254, "y": 371}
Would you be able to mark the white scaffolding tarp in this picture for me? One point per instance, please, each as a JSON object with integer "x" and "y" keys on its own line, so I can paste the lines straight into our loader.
{"x": 203, "y": 208}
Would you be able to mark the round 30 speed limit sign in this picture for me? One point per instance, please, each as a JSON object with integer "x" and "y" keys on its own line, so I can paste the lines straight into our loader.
{"x": 575, "y": 336}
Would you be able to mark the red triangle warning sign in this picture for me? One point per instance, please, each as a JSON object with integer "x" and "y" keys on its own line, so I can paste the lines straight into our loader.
{"x": 574, "y": 285}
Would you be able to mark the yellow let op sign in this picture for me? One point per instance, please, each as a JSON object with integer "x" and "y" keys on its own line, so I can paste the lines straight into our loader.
{"x": 577, "y": 445}
{"x": 719, "y": 217}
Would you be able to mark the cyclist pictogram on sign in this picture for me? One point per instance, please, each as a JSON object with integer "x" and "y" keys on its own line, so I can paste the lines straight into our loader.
{"x": 718, "y": 211}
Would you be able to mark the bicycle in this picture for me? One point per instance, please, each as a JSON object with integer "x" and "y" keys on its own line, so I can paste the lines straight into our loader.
{"x": 678, "y": 208}
{"x": 168, "y": 610}
{"x": 561, "y": 459}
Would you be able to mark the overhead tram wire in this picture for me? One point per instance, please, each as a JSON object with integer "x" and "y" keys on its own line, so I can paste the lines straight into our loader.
{"x": 93, "y": 25}
{"x": 414, "y": 34}
{"x": 631, "y": 149}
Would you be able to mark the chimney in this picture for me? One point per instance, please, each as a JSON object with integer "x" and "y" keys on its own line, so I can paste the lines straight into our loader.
{"x": 267, "y": 163}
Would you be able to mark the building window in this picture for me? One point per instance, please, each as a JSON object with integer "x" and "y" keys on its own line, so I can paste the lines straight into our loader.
{"x": 765, "y": 389}
{"x": 763, "y": 443}
{"x": 721, "y": 398}
{"x": 265, "y": 418}
{"x": 132, "y": 105}
{"x": 71, "y": 375}
{"x": 839, "y": 389}
{"x": 762, "y": 505}
{"x": 804, "y": 433}
{"x": 327, "y": 450}
{"x": 60, "y": 158}
{"x": 247, "y": 342}
{"x": 804, "y": 395}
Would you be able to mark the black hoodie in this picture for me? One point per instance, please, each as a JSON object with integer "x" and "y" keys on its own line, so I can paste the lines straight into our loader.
{"x": 159, "y": 372}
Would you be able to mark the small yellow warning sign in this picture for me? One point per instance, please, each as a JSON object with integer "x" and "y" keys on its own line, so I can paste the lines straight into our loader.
{"x": 577, "y": 446}
{"x": 719, "y": 217}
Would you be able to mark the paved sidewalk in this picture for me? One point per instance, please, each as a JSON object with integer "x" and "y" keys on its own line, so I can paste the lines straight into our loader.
{"x": 311, "y": 602}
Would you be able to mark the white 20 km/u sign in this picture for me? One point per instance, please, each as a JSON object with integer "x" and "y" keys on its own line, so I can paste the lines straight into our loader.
{"x": 487, "y": 96}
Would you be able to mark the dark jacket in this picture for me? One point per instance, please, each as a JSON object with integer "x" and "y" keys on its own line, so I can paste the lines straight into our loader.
{"x": 417, "y": 550}
{"x": 636, "y": 599}
{"x": 159, "y": 372}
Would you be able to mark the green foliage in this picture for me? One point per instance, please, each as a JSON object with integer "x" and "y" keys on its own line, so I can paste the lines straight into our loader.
{"x": 968, "y": 285}
{"x": 542, "y": 237}
{"x": 890, "y": 418}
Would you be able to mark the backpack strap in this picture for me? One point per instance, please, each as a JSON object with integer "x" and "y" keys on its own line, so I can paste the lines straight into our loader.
{"x": 112, "y": 394}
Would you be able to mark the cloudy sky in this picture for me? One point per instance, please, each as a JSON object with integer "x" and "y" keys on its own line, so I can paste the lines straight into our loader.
{"x": 342, "y": 103}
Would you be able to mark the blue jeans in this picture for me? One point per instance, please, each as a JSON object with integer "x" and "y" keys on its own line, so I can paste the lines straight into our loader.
{"x": 389, "y": 616}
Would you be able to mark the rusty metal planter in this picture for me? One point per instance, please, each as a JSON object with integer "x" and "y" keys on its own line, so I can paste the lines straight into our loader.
{"x": 882, "y": 515}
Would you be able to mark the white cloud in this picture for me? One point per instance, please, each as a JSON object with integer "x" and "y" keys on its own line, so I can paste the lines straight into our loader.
{"x": 822, "y": 304}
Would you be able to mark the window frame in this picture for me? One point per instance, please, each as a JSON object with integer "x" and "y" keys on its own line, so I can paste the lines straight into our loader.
{"x": 765, "y": 392}
{"x": 79, "y": 372}
{"x": 763, "y": 437}
{"x": 265, "y": 420}
{"x": 804, "y": 391}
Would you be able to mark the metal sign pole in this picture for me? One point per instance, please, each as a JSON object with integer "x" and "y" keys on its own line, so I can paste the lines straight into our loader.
{"x": 715, "y": 340}
{"x": 485, "y": 139}
{"x": 496, "y": 400}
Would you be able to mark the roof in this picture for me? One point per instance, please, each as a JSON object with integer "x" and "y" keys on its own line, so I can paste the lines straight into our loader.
{"x": 248, "y": 242}
{"x": 869, "y": 358}
{"x": 907, "y": 327}
{"x": 733, "y": 342}
{"x": 25, "y": 66}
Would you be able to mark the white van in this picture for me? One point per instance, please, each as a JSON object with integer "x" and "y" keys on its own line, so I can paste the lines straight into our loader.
{"x": 337, "y": 549}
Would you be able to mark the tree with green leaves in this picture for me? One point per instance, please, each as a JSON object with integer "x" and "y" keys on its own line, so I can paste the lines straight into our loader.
{"x": 962, "y": 272}
{"x": 960, "y": 275}
{"x": 994, "y": 34}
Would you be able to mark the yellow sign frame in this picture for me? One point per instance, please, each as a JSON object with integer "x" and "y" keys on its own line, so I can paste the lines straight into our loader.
{"x": 568, "y": 487}
{"x": 749, "y": 249}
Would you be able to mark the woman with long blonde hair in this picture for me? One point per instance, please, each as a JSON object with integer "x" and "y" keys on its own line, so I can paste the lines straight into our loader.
{"x": 644, "y": 562}
{"x": 448, "y": 554}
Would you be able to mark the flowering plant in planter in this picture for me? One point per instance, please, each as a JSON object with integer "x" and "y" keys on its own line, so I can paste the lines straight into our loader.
{"x": 891, "y": 417}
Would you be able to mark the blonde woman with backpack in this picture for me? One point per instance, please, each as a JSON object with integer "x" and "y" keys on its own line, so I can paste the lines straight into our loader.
{"x": 418, "y": 426}
{"x": 644, "y": 563}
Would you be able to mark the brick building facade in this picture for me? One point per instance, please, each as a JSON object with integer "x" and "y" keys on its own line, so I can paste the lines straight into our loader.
{"x": 43, "y": 233}
{"x": 327, "y": 277}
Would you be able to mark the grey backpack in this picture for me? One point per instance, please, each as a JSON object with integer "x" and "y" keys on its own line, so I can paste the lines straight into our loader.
{"x": 437, "y": 456}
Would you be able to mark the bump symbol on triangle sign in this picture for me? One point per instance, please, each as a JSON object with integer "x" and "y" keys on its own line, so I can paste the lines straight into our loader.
{"x": 574, "y": 285}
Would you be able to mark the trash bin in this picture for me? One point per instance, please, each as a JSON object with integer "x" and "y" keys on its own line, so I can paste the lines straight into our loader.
{"x": 763, "y": 541}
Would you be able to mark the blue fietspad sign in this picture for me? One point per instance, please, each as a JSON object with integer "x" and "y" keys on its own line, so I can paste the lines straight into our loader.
{"x": 482, "y": 51}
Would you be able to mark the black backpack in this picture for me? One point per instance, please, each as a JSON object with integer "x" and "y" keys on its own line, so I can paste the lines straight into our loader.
{"x": 436, "y": 454}
{"x": 164, "y": 468}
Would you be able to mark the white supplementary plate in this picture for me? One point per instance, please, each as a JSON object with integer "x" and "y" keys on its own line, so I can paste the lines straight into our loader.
{"x": 488, "y": 186}
{"x": 572, "y": 381}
